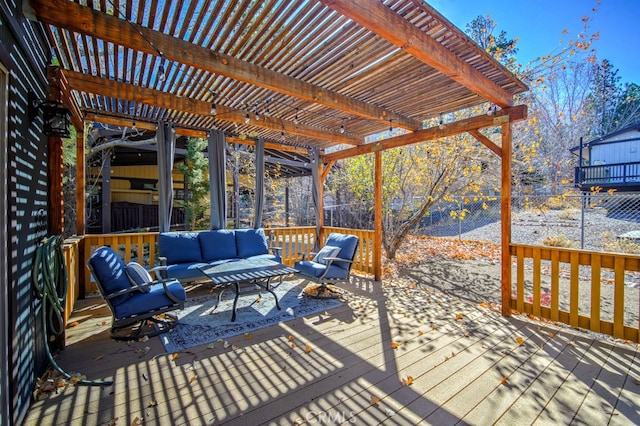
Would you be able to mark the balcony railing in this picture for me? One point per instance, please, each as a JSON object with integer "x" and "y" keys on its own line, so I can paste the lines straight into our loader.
{"x": 608, "y": 175}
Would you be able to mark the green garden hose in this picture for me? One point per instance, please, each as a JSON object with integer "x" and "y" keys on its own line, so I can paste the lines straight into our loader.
{"x": 49, "y": 279}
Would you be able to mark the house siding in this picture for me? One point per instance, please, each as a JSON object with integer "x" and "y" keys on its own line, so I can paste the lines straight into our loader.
{"x": 24, "y": 52}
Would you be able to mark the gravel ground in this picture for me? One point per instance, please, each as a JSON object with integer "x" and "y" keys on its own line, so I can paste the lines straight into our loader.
{"x": 534, "y": 227}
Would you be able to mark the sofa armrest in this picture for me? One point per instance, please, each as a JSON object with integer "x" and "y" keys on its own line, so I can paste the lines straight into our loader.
{"x": 303, "y": 255}
{"x": 276, "y": 250}
{"x": 160, "y": 271}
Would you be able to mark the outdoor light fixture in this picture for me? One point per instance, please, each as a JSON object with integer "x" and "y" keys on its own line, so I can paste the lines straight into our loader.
{"x": 56, "y": 117}
{"x": 213, "y": 109}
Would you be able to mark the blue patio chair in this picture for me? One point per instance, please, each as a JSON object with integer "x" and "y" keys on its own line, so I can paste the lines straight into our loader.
{"x": 331, "y": 265}
{"x": 139, "y": 304}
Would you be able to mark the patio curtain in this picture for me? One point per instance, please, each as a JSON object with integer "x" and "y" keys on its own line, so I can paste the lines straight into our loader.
{"x": 218, "y": 178}
{"x": 315, "y": 193}
{"x": 259, "y": 190}
{"x": 166, "y": 142}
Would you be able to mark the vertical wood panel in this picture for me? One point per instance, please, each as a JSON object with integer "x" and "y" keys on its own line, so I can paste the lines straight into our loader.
{"x": 555, "y": 284}
{"x": 537, "y": 276}
{"x": 595, "y": 291}
{"x": 574, "y": 297}
{"x": 377, "y": 226}
{"x": 618, "y": 298}
{"x": 520, "y": 279}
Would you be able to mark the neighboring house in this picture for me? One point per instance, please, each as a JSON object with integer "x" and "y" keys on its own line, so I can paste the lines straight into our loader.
{"x": 610, "y": 162}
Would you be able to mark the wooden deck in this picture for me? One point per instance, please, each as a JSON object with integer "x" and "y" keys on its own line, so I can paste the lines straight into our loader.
{"x": 469, "y": 365}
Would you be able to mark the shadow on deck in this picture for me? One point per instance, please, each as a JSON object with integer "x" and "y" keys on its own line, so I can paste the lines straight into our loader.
{"x": 466, "y": 363}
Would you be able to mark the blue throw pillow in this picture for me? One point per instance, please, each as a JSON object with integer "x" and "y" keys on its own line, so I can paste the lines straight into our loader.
{"x": 179, "y": 247}
{"x": 251, "y": 242}
{"x": 138, "y": 276}
{"x": 327, "y": 251}
{"x": 218, "y": 245}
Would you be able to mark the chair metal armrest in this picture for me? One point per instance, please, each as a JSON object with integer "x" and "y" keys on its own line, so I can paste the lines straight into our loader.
{"x": 168, "y": 293}
{"x": 330, "y": 260}
{"x": 158, "y": 270}
{"x": 303, "y": 255}
{"x": 276, "y": 250}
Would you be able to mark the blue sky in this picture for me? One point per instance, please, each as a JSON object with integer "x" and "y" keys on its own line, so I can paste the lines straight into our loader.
{"x": 539, "y": 23}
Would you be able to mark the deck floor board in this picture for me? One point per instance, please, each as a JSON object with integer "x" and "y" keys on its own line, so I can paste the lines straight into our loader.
{"x": 456, "y": 352}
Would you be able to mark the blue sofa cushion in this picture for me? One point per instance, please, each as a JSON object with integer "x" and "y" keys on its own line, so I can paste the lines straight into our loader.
{"x": 251, "y": 242}
{"x": 314, "y": 269}
{"x": 266, "y": 256}
{"x": 185, "y": 271}
{"x": 145, "y": 302}
{"x": 180, "y": 247}
{"x": 109, "y": 270}
{"x": 217, "y": 245}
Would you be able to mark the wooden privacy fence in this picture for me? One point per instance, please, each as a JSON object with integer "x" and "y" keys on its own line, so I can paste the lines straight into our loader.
{"x": 592, "y": 290}
{"x": 142, "y": 247}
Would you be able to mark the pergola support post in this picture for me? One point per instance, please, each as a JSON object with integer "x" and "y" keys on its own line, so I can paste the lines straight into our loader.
{"x": 80, "y": 203}
{"x": 377, "y": 219}
{"x": 505, "y": 217}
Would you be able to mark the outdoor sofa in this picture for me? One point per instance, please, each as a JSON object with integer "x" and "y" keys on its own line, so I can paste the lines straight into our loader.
{"x": 182, "y": 253}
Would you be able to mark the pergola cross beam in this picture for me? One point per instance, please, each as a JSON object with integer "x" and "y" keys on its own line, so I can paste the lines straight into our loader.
{"x": 84, "y": 20}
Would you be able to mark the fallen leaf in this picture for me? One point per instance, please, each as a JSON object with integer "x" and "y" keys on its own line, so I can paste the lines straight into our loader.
{"x": 291, "y": 338}
{"x": 420, "y": 332}
{"x": 193, "y": 379}
{"x": 293, "y": 346}
{"x": 374, "y": 400}
{"x": 307, "y": 349}
{"x": 74, "y": 324}
{"x": 503, "y": 381}
{"x": 226, "y": 344}
{"x": 105, "y": 323}
{"x": 551, "y": 335}
{"x": 112, "y": 422}
{"x": 395, "y": 345}
{"x": 175, "y": 356}
{"x": 211, "y": 346}
{"x": 407, "y": 381}
{"x": 520, "y": 341}
{"x": 248, "y": 336}
{"x": 258, "y": 299}
{"x": 459, "y": 316}
{"x": 136, "y": 421}
{"x": 153, "y": 403}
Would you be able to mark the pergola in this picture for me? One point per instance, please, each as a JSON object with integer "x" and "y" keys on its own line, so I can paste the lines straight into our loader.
{"x": 301, "y": 75}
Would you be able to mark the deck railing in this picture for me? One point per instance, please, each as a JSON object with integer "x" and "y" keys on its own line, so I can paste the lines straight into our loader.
{"x": 591, "y": 290}
{"x": 608, "y": 174}
{"x": 142, "y": 247}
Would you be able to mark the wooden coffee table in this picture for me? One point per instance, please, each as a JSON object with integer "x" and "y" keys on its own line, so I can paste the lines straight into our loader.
{"x": 241, "y": 272}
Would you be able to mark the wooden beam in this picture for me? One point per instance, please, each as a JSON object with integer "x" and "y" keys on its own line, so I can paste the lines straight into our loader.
{"x": 377, "y": 219}
{"x": 486, "y": 142}
{"x": 505, "y": 219}
{"x": 327, "y": 169}
{"x": 85, "y": 20}
{"x": 382, "y": 20}
{"x": 152, "y": 126}
{"x": 55, "y": 164}
{"x": 507, "y": 115}
{"x": 130, "y": 92}
{"x": 80, "y": 182}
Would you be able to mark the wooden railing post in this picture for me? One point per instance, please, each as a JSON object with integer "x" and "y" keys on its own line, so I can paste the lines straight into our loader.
{"x": 505, "y": 216}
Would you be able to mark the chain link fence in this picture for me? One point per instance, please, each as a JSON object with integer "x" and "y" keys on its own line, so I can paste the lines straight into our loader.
{"x": 592, "y": 221}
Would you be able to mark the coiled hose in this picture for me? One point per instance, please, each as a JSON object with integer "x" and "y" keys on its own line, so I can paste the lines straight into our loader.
{"x": 49, "y": 279}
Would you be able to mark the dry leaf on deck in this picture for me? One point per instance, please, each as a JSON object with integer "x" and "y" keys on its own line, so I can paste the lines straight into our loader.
{"x": 307, "y": 349}
{"x": 551, "y": 335}
{"x": 407, "y": 381}
{"x": 193, "y": 379}
{"x": 420, "y": 332}
{"x": 520, "y": 341}
{"x": 395, "y": 345}
{"x": 248, "y": 336}
{"x": 291, "y": 338}
{"x": 459, "y": 316}
{"x": 293, "y": 346}
{"x": 74, "y": 324}
{"x": 136, "y": 421}
{"x": 175, "y": 356}
{"x": 113, "y": 422}
{"x": 153, "y": 403}
{"x": 374, "y": 400}
{"x": 503, "y": 381}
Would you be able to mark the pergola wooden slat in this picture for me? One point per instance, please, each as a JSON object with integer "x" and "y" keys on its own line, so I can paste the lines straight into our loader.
{"x": 329, "y": 72}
